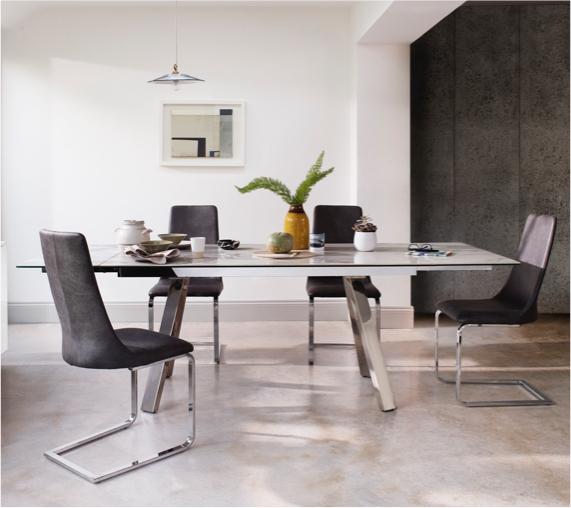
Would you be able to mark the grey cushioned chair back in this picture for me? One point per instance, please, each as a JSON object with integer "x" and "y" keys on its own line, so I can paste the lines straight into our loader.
{"x": 88, "y": 339}
{"x": 537, "y": 240}
{"x": 195, "y": 220}
{"x": 336, "y": 221}
{"x": 525, "y": 280}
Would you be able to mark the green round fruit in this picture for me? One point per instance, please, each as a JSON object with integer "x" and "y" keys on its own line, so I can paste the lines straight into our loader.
{"x": 280, "y": 243}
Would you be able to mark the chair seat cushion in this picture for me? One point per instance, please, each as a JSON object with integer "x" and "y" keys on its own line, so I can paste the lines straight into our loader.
{"x": 481, "y": 312}
{"x": 332, "y": 287}
{"x": 199, "y": 286}
{"x": 149, "y": 347}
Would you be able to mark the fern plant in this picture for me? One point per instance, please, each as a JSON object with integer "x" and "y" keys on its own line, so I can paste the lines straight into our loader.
{"x": 314, "y": 175}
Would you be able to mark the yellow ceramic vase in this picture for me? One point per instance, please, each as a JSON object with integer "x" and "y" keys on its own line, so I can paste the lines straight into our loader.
{"x": 296, "y": 224}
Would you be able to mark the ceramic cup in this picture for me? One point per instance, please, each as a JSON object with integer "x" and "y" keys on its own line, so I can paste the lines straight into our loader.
{"x": 317, "y": 243}
{"x": 197, "y": 246}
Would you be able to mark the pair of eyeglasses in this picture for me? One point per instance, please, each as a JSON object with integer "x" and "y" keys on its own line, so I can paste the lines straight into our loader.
{"x": 421, "y": 247}
{"x": 228, "y": 244}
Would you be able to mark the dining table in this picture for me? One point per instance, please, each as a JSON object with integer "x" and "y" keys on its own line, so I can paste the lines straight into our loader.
{"x": 338, "y": 260}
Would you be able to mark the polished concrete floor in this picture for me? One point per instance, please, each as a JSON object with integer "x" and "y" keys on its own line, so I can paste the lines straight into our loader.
{"x": 273, "y": 431}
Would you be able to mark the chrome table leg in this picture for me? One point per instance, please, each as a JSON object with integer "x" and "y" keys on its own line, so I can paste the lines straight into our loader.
{"x": 367, "y": 338}
{"x": 170, "y": 325}
{"x": 357, "y": 337}
{"x": 378, "y": 315}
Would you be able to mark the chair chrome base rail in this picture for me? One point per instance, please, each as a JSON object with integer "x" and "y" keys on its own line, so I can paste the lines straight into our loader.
{"x": 56, "y": 455}
{"x": 312, "y": 344}
{"x": 539, "y": 398}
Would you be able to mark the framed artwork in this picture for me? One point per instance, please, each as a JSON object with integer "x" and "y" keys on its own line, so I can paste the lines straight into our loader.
{"x": 203, "y": 133}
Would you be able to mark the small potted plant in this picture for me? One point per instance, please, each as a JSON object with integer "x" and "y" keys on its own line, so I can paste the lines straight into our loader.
{"x": 365, "y": 238}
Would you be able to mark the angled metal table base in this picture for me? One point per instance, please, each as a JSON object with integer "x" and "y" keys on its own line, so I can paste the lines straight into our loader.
{"x": 365, "y": 332}
{"x": 367, "y": 342}
{"x": 170, "y": 325}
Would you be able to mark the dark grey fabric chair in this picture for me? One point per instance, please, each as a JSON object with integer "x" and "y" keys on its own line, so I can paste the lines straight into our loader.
{"x": 194, "y": 220}
{"x": 89, "y": 341}
{"x": 514, "y": 305}
{"x": 336, "y": 221}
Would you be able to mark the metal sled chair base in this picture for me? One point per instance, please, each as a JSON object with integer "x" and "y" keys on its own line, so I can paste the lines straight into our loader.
{"x": 312, "y": 345}
{"x": 56, "y": 455}
{"x": 539, "y": 398}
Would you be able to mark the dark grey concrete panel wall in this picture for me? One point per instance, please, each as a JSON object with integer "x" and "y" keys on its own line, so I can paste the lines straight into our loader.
{"x": 432, "y": 128}
{"x": 486, "y": 138}
{"x": 544, "y": 131}
{"x": 490, "y": 140}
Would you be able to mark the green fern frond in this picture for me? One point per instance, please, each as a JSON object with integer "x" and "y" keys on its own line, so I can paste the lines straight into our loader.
{"x": 270, "y": 184}
{"x": 318, "y": 163}
{"x": 313, "y": 176}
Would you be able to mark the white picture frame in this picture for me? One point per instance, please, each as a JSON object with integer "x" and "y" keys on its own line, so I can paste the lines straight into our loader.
{"x": 168, "y": 147}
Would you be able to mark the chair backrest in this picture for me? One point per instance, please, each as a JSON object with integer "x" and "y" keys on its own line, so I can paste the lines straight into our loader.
{"x": 88, "y": 339}
{"x": 195, "y": 220}
{"x": 525, "y": 280}
{"x": 336, "y": 221}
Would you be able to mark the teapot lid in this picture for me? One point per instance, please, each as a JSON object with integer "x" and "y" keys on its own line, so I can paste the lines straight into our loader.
{"x": 133, "y": 222}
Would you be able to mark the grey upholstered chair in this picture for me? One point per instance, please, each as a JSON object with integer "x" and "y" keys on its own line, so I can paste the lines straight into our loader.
{"x": 194, "y": 220}
{"x": 336, "y": 221}
{"x": 89, "y": 341}
{"x": 514, "y": 305}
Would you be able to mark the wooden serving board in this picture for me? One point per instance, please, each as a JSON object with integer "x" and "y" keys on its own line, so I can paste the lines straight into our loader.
{"x": 294, "y": 254}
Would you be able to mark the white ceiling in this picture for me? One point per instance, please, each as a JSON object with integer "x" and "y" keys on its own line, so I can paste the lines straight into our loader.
{"x": 15, "y": 12}
{"x": 375, "y": 22}
{"x": 402, "y": 22}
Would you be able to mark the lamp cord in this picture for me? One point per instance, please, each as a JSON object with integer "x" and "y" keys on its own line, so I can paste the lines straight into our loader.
{"x": 176, "y": 33}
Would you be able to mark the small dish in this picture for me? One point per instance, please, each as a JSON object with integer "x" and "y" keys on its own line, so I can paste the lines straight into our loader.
{"x": 154, "y": 246}
{"x": 175, "y": 238}
{"x": 185, "y": 244}
{"x": 228, "y": 244}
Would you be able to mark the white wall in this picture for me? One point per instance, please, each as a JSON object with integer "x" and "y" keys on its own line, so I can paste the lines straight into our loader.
{"x": 82, "y": 138}
{"x": 3, "y": 264}
{"x": 81, "y": 144}
{"x": 383, "y": 150}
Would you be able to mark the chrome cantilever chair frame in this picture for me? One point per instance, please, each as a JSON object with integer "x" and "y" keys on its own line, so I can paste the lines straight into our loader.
{"x": 56, "y": 455}
{"x": 540, "y": 399}
{"x": 215, "y": 324}
{"x": 312, "y": 344}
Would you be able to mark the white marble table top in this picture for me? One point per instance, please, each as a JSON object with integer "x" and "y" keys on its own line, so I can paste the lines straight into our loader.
{"x": 338, "y": 260}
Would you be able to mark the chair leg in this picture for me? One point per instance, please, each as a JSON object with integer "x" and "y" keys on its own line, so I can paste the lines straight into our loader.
{"x": 56, "y": 455}
{"x": 151, "y": 313}
{"x": 311, "y": 346}
{"x": 539, "y": 398}
{"x": 216, "y": 330}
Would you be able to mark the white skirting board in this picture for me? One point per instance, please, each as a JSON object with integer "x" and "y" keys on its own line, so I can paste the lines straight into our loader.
{"x": 391, "y": 317}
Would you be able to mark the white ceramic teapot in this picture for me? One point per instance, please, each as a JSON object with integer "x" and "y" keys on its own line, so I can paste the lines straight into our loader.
{"x": 131, "y": 232}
